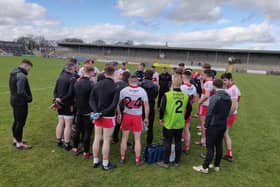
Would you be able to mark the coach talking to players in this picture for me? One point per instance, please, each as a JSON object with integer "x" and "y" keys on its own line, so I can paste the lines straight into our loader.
{"x": 20, "y": 97}
{"x": 215, "y": 124}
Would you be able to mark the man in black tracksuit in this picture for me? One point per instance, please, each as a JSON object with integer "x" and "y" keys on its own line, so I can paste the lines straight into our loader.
{"x": 63, "y": 93}
{"x": 152, "y": 92}
{"x": 165, "y": 80}
{"x": 103, "y": 102}
{"x": 19, "y": 99}
{"x": 120, "y": 85}
{"x": 82, "y": 90}
{"x": 215, "y": 124}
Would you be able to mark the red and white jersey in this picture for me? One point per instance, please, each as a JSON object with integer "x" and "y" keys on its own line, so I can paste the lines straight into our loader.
{"x": 207, "y": 87}
{"x": 133, "y": 98}
{"x": 155, "y": 78}
{"x": 190, "y": 90}
{"x": 234, "y": 93}
{"x": 119, "y": 72}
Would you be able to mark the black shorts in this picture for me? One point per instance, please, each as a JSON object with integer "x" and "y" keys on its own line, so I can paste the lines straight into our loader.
{"x": 66, "y": 110}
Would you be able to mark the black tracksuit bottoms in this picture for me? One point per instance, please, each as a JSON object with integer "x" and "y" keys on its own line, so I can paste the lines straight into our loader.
{"x": 84, "y": 127}
{"x": 20, "y": 115}
{"x": 214, "y": 141}
{"x": 169, "y": 135}
{"x": 150, "y": 132}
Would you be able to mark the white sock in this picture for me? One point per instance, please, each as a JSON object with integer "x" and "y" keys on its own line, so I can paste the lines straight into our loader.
{"x": 95, "y": 160}
{"x": 105, "y": 162}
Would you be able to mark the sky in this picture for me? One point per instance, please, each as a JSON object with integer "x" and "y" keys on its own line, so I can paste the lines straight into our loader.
{"x": 241, "y": 24}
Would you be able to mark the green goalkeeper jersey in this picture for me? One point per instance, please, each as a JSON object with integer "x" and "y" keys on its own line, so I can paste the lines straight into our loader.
{"x": 174, "y": 115}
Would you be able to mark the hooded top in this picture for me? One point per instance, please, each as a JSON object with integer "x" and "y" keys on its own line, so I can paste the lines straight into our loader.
{"x": 218, "y": 110}
{"x": 19, "y": 87}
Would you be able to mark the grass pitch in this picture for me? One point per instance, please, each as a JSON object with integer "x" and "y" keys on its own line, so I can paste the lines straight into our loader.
{"x": 255, "y": 138}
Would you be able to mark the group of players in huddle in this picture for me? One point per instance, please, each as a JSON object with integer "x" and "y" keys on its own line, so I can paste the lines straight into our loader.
{"x": 87, "y": 99}
{"x": 116, "y": 99}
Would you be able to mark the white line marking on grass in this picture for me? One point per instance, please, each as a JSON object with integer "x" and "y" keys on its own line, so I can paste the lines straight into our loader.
{"x": 32, "y": 90}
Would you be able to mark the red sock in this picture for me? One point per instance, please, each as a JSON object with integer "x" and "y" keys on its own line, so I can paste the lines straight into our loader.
{"x": 186, "y": 148}
{"x": 229, "y": 152}
{"x": 138, "y": 159}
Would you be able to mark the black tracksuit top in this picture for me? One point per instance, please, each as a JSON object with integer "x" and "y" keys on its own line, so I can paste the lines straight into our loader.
{"x": 82, "y": 90}
{"x": 19, "y": 87}
{"x": 64, "y": 87}
{"x": 104, "y": 97}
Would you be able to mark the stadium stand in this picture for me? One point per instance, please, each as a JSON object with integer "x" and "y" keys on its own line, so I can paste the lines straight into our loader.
{"x": 13, "y": 48}
{"x": 248, "y": 59}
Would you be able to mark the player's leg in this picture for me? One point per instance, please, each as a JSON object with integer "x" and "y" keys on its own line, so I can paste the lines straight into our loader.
{"x": 60, "y": 130}
{"x": 76, "y": 138}
{"x": 87, "y": 135}
{"x": 123, "y": 147}
{"x": 107, "y": 135}
{"x": 150, "y": 133}
{"x": 178, "y": 145}
{"x": 67, "y": 132}
{"x": 187, "y": 138}
{"x": 227, "y": 138}
{"x": 137, "y": 148}
{"x": 95, "y": 146}
{"x": 219, "y": 147}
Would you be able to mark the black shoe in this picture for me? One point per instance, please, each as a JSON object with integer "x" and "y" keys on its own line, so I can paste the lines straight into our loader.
{"x": 59, "y": 143}
{"x": 109, "y": 167}
{"x": 67, "y": 147}
{"x": 96, "y": 165}
{"x": 203, "y": 155}
{"x": 228, "y": 158}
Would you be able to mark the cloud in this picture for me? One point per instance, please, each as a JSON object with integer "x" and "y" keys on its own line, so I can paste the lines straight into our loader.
{"x": 142, "y": 8}
{"x": 193, "y": 10}
{"x": 184, "y": 11}
{"x": 18, "y": 12}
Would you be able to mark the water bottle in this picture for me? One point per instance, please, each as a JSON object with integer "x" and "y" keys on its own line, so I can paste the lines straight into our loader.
{"x": 145, "y": 125}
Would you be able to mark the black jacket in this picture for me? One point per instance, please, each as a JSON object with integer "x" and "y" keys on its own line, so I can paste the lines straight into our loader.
{"x": 82, "y": 90}
{"x": 218, "y": 110}
{"x": 151, "y": 89}
{"x": 165, "y": 80}
{"x": 64, "y": 87}
{"x": 104, "y": 97}
{"x": 19, "y": 87}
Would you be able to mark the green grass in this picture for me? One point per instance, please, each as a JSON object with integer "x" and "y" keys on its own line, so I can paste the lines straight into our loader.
{"x": 255, "y": 138}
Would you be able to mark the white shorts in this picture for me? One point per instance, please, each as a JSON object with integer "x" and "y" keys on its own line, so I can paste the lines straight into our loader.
{"x": 65, "y": 117}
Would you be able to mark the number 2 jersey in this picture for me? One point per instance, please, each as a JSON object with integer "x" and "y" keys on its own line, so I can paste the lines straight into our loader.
{"x": 133, "y": 98}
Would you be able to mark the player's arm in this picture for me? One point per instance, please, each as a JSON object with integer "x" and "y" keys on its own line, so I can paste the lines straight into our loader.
{"x": 205, "y": 97}
{"x": 69, "y": 93}
{"x": 93, "y": 101}
{"x": 114, "y": 103}
{"x": 162, "y": 109}
{"x": 147, "y": 111}
{"x": 233, "y": 105}
{"x": 210, "y": 111}
{"x": 188, "y": 110}
{"x": 21, "y": 85}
